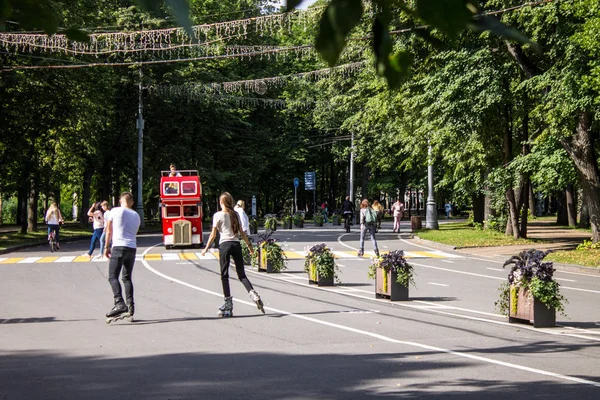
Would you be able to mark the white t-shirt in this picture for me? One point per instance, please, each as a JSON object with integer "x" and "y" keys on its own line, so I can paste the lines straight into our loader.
{"x": 125, "y": 224}
{"x": 52, "y": 217}
{"x": 222, "y": 222}
{"x": 98, "y": 220}
{"x": 106, "y": 217}
{"x": 243, "y": 219}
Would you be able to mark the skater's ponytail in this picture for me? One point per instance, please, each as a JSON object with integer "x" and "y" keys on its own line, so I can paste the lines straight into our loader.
{"x": 227, "y": 202}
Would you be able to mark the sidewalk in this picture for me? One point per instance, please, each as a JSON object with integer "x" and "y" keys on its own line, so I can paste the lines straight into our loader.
{"x": 556, "y": 239}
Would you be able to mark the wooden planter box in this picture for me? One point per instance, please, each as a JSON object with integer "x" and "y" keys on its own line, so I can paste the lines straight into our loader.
{"x": 336, "y": 220}
{"x": 253, "y": 229}
{"x": 264, "y": 265}
{"x": 300, "y": 224}
{"x": 388, "y": 288}
{"x": 531, "y": 310}
{"x": 318, "y": 223}
{"x": 315, "y": 279}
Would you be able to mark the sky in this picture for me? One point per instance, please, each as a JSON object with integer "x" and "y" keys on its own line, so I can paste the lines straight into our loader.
{"x": 304, "y": 4}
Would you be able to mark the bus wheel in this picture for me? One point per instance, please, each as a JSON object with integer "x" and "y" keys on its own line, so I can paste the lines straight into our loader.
{"x": 168, "y": 246}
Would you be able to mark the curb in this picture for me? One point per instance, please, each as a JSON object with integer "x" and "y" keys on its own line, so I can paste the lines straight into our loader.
{"x": 41, "y": 243}
{"x": 436, "y": 245}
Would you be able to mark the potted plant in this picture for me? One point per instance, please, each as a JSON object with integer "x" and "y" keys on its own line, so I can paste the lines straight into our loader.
{"x": 287, "y": 221}
{"x": 393, "y": 275}
{"x": 253, "y": 226}
{"x": 336, "y": 219}
{"x": 298, "y": 220}
{"x": 246, "y": 252}
{"x": 320, "y": 265}
{"x": 270, "y": 222}
{"x": 531, "y": 293}
{"x": 269, "y": 255}
{"x": 318, "y": 219}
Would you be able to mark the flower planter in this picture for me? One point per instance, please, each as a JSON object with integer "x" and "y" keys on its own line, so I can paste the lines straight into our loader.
{"x": 318, "y": 223}
{"x": 336, "y": 220}
{"x": 264, "y": 265}
{"x": 299, "y": 224}
{"x": 315, "y": 279}
{"x": 253, "y": 229}
{"x": 387, "y": 287}
{"x": 287, "y": 224}
{"x": 529, "y": 309}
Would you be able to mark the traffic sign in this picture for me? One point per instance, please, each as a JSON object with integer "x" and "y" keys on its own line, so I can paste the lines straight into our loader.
{"x": 310, "y": 181}
{"x": 296, "y": 182}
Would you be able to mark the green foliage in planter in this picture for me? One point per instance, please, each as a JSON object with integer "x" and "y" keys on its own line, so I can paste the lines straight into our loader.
{"x": 246, "y": 252}
{"x": 253, "y": 224}
{"x": 274, "y": 251}
{"x": 323, "y": 260}
{"x": 535, "y": 277}
{"x": 287, "y": 220}
{"x": 318, "y": 219}
{"x": 270, "y": 222}
{"x": 298, "y": 219}
{"x": 394, "y": 261}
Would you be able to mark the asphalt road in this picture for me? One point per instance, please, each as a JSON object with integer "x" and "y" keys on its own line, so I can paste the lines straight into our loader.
{"x": 313, "y": 343}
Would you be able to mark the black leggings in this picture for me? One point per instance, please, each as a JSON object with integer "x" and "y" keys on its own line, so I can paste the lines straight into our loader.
{"x": 121, "y": 258}
{"x": 226, "y": 251}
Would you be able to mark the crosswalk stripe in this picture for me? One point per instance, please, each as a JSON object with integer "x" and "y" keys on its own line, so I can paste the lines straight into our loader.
{"x": 153, "y": 257}
{"x": 12, "y": 260}
{"x": 29, "y": 260}
{"x": 188, "y": 256}
{"x": 344, "y": 254}
{"x": 2, "y": 259}
{"x": 208, "y": 256}
{"x": 82, "y": 259}
{"x": 293, "y": 255}
{"x": 170, "y": 256}
{"x": 429, "y": 254}
{"x": 47, "y": 259}
{"x": 65, "y": 259}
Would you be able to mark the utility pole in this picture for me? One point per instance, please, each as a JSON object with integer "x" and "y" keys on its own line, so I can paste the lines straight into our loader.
{"x": 431, "y": 211}
{"x": 351, "y": 178}
{"x": 140, "y": 161}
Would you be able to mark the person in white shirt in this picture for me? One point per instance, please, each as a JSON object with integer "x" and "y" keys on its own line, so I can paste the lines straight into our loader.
{"x": 96, "y": 214}
{"x": 173, "y": 170}
{"x": 121, "y": 228}
{"x": 239, "y": 208}
{"x": 53, "y": 220}
{"x": 227, "y": 224}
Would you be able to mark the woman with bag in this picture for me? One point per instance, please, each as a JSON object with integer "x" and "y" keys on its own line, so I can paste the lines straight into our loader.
{"x": 227, "y": 224}
{"x": 368, "y": 221}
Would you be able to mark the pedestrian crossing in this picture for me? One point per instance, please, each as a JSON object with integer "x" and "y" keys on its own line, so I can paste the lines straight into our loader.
{"x": 212, "y": 255}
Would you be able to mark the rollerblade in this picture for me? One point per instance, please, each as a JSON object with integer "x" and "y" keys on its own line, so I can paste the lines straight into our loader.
{"x": 118, "y": 312}
{"x": 130, "y": 311}
{"x": 256, "y": 298}
{"x": 377, "y": 252}
{"x": 226, "y": 310}
{"x": 360, "y": 253}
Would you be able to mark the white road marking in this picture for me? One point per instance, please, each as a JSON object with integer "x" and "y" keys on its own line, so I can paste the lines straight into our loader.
{"x": 438, "y": 284}
{"x": 65, "y": 259}
{"x": 170, "y": 256}
{"x": 29, "y": 260}
{"x": 2, "y": 259}
{"x": 382, "y": 337}
{"x": 564, "y": 279}
{"x": 496, "y": 269}
{"x": 580, "y": 290}
{"x": 448, "y": 261}
{"x": 459, "y": 272}
{"x": 184, "y": 263}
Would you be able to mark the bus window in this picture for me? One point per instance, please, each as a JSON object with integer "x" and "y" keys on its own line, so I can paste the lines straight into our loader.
{"x": 172, "y": 211}
{"x": 188, "y": 188}
{"x": 171, "y": 188}
{"x": 190, "y": 211}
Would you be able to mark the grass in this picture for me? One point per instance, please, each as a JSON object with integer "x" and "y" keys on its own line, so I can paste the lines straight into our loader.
{"x": 460, "y": 234}
{"x": 587, "y": 257}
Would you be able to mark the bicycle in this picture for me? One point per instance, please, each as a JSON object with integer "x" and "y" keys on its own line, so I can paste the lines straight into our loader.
{"x": 347, "y": 221}
{"x": 52, "y": 241}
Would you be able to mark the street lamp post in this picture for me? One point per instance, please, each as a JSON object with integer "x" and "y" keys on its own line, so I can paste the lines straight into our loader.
{"x": 140, "y": 161}
{"x": 431, "y": 212}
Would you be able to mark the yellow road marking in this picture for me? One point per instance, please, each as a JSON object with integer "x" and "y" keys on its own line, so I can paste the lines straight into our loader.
{"x": 81, "y": 259}
{"x": 153, "y": 257}
{"x": 11, "y": 260}
{"x": 47, "y": 259}
{"x": 188, "y": 256}
{"x": 427, "y": 254}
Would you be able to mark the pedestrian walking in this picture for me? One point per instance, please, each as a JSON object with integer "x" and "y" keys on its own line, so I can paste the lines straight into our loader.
{"x": 226, "y": 222}
{"x": 106, "y": 210}
{"x": 378, "y": 207}
{"x": 397, "y": 211}
{"x": 368, "y": 222}
{"x": 96, "y": 214}
{"x": 448, "y": 208}
{"x": 121, "y": 229}
{"x": 240, "y": 209}
{"x": 54, "y": 219}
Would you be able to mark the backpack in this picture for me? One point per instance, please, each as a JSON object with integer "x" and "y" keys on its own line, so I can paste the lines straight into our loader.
{"x": 370, "y": 216}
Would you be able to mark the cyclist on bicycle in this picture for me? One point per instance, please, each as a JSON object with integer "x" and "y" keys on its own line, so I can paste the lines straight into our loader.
{"x": 348, "y": 210}
{"x": 54, "y": 219}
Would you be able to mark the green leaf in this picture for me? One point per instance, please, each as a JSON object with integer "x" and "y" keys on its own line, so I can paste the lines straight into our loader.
{"x": 338, "y": 19}
{"x": 393, "y": 67}
{"x": 489, "y": 23}
{"x": 181, "y": 10}
{"x": 450, "y": 16}
{"x": 291, "y": 4}
{"x": 77, "y": 35}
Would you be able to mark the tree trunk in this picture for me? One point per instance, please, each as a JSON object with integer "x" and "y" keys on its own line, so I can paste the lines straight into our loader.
{"x": 0, "y": 208}
{"x": 571, "y": 207}
{"x": 532, "y": 207}
{"x": 32, "y": 207}
{"x": 584, "y": 216}
{"x": 580, "y": 147}
{"x": 561, "y": 209}
{"x": 525, "y": 209}
{"x": 85, "y": 196}
{"x": 512, "y": 226}
{"x": 479, "y": 208}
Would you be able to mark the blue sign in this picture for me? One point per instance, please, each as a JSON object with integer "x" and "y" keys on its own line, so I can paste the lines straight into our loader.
{"x": 310, "y": 181}
{"x": 296, "y": 182}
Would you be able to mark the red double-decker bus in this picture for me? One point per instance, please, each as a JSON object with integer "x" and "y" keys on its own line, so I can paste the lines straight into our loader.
{"x": 181, "y": 205}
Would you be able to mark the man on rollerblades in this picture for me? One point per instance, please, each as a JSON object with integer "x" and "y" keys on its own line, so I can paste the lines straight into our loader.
{"x": 121, "y": 229}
